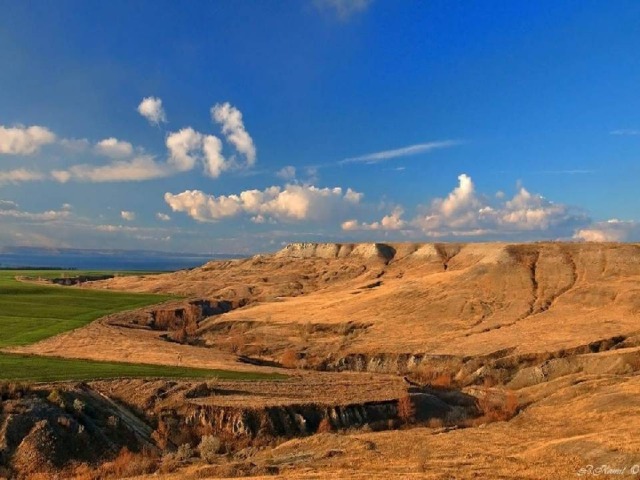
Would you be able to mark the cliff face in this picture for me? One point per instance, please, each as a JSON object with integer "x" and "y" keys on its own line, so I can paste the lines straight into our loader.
{"x": 367, "y": 251}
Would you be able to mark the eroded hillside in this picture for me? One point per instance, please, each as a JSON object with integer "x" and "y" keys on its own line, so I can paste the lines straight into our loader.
{"x": 436, "y": 299}
{"x": 481, "y": 333}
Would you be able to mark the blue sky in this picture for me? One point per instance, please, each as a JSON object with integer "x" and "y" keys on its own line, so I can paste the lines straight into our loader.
{"x": 322, "y": 120}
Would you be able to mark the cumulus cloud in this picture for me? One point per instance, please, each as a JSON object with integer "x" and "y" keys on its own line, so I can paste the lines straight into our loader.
{"x": 184, "y": 148}
{"x": 344, "y": 9}
{"x": 385, "y": 155}
{"x": 230, "y": 118}
{"x": 214, "y": 161}
{"x": 22, "y": 140}
{"x": 613, "y": 230}
{"x": 393, "y": 221}
{"x": 140, "y": 168}
{"x": 291, "y": 203}
{"x": 287, "y": 173}
{"x": 20, "y": 175}
{"x": 465, "y": 213}
{"x": 163, "y": 217}
{"x": 151, "y": 109}
{"x": 128, "y": 216}
{"x": 114, "y": 148}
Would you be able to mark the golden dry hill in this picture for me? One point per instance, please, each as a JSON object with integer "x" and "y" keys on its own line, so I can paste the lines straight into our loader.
{"x": 407, "y": 360}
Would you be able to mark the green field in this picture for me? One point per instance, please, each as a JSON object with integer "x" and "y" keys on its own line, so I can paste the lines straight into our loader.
{"x": 30, "y": 312}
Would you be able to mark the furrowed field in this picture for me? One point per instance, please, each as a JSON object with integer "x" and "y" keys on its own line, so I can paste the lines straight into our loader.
{"x": 32, "y": 312}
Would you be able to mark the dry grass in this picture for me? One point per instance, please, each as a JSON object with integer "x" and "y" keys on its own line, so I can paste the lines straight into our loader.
{"x": 128, "y": 464}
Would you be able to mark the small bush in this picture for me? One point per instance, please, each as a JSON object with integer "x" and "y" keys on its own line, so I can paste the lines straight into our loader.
{"x": 55, "y": 397}
{"x": 325, "y": 426}
{"x": 406, "y": 409}
{"x": 209, "y": 448}
{"x": 289, "y": 359}
{"x": 496, "y": 408}
{"x": 444, "y": 379}
{"x": 79, "y": 406}
{"x": 184, "y": 452}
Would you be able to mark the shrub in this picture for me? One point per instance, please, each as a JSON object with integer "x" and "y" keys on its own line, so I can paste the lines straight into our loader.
{"x": 209, "y": 447}
{"x": 184, "y": 452}
{"x": 289, "y": 359}
{"x": 406, "y": 409}
{"x": 55, "y": 397}
{"x": 496, "y": 408}
{"x": 79, "y": 406}
{"x": 442, "y": 380}
{"x": 325, "y": 426}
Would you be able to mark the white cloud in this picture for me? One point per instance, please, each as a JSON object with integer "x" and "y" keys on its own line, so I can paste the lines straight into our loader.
{"x": 114, "y": 148}
{"x": 140, "y": 168}
{"x": 465, "y": 213}
{"x": 128, "y": 216}
{"x": 214, "y": 162}
{"x": 47, "y": 216}
{"x": 22, "y": 140}
{"x": 344, "y": 9}
{"x": 117, "y": 228}
{"x": 393, "y": 221}
{"x": 400, "y": 152}
{"x": 163, "y": 217}
{"x": 20, "y": 175}
{"x": 151, "y": 109}
{"x": 185, "y": 147}
{"x": 613, "y": 230}
{"x": 287, "y": 173}
{"x": 230, "y": 118}
{"x": 291, "y": 203}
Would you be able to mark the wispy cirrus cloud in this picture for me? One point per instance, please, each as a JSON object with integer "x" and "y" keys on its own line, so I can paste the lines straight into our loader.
{"x": 343, "y": 9}
{"x": 20, "y": 175}
{"x": 625, "y": 131}
{"x": 407, "y": 151}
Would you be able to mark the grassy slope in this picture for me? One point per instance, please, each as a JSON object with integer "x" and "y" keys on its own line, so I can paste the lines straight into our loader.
{"x": 29, "y": 313}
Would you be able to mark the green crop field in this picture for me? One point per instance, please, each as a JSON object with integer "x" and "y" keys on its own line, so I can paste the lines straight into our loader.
{"x": 32, "y": 312}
